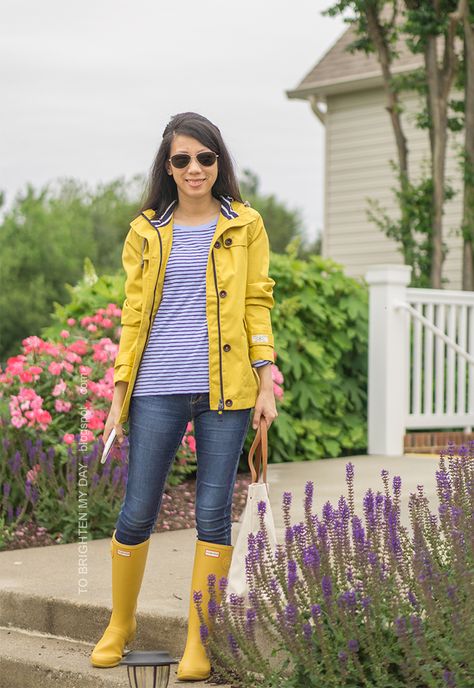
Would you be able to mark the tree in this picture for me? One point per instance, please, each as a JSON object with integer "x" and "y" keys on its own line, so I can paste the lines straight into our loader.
{"x": 425, "y": 25}
{"x": 44, "y": 238}
{"x": 283, "y": 225}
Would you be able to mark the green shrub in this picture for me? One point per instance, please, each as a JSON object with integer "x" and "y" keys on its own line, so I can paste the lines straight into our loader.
{"x": 320, "y": 324}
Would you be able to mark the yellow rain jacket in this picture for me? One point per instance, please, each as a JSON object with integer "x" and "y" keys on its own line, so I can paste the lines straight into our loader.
{"x": 239, "y": 297}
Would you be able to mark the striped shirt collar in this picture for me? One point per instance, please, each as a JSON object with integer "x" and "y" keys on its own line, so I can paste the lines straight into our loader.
{"x": 226, "y": 209}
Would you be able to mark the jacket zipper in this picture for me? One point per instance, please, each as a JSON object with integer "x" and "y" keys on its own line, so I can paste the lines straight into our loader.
{"x": 221, "y": 400}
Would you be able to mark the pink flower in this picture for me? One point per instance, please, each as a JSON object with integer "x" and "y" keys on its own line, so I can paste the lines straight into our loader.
{"x": 85, "y": 370}
{"x": 51, "y": 349}
{"x": 80, "y": 347}
{"x": 59, "y": 388}
{"x": 25, "y": 376}
{"x": 86, "y": 320}
{"x": 64, "y": 334}
{"x": 107, "y": 322}
{"x": 55, "y": 368}
{"x": 87, "y": 436}
{"x": 92, "y": 327}
{"x": 95, "y": 422}
{"x": 192, "y": 443}
{"x": 32, "y": 344}
{"x": 68, "y": 438}
{"x": 189, "y": 427}
{"x": 33, "y": 473}
{"x": 71, "y": 321}
{"x": 62, "y": 406}
{"x": 72, "y": 357}
{"x": 277, "y": 375}
{"x": 68, "y": 366}
{"x": 35, "y": 370}
{"x": 43, "y": 417}
{"x": 27, "y": 393}
{"x": 277, "y": 391}
{"x": 18, "y": 421}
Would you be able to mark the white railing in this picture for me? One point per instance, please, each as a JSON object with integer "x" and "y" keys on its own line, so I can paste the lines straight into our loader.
{"x": 421, "y": 358}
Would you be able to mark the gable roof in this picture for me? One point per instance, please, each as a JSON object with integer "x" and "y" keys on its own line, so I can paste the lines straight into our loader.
{"x": 339, "y": 70}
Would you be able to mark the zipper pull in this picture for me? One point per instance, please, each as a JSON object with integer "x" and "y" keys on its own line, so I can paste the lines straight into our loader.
{"x": 220, "y": 406}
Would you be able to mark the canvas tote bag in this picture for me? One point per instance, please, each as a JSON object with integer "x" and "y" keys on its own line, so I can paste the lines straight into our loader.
{"x": 257, "y": 491}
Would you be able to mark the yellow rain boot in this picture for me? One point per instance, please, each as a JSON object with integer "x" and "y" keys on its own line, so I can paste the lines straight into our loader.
{"x": 128, "y": 565}
{"x": 209, "y": 557}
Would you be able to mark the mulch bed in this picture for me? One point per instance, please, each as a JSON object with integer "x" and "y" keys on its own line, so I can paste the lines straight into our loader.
{"x": 177, "y": 512}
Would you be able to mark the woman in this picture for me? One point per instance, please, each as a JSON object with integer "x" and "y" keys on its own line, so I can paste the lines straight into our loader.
{"x": 196, "y": 344}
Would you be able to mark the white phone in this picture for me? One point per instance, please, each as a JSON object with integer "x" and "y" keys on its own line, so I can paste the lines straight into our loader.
{"x": 108, "y": 446}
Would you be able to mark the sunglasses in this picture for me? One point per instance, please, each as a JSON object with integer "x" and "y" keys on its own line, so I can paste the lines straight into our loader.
{"x": 181, "y": 160}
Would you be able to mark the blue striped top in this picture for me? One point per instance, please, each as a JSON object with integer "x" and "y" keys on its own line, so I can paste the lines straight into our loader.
{"x": 176, "y": 357}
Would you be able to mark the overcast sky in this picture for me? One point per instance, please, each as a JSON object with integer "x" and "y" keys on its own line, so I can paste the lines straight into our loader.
{"x": 88, "y": 87}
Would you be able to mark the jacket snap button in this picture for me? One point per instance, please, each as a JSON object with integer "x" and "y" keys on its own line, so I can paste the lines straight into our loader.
{"x": 217, "y": 244}
{"x": 228, "y": 241}
{"x": 228, "y": 402}
{"x": 223, "y": 293}
{"x": 226, "y": 347}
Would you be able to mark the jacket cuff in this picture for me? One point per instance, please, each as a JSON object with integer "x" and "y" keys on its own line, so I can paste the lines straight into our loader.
{"x": 261, "y": 352}
{"x": 260, "y": 362}
{"x": 122, "y": 373}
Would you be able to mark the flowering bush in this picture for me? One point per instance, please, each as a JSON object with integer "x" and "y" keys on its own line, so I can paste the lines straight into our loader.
{"x": 54, "y": 402}
{"x": 357, "y": 601}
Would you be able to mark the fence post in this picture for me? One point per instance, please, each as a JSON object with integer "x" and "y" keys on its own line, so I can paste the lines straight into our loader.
{"x": 388, "y": 359}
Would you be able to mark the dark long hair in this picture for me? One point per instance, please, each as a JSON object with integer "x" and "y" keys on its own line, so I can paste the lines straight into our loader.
{"x": 161, "y": 188}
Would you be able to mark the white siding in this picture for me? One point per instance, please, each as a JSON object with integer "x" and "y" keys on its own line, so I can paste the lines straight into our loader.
{"x": 359, "y": 144}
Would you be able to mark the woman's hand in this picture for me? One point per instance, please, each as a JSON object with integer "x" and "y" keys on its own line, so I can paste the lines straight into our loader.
{"x": 120, "y": 391}
{"x": 264, "y": 406}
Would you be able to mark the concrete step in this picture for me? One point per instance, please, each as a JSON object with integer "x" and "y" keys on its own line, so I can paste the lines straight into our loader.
{"x": 29, "y": 660}
{"x": 87, "y": 622}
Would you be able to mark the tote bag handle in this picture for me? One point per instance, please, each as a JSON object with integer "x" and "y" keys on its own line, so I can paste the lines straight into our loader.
{"x": 259, "y": 447}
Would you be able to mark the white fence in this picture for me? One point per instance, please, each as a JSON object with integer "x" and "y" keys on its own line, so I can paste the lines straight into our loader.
{"x": 421, "y": 358}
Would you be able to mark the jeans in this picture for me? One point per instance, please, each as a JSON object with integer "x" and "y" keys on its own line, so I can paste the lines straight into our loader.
{"x": 157, "y": 424}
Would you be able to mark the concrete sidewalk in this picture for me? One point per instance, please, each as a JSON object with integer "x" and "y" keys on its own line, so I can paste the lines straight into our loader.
{"x": 40, "y": 590}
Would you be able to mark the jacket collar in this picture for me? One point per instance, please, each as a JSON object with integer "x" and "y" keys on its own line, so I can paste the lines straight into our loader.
{"x": 232, "y": 212}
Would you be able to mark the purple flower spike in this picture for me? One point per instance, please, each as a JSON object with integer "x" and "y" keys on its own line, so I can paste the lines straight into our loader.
{"x": 397, "y": 484}
{"x": 316, "y": 611}
{"x": 262, "y": 507}
{"x": 250, "y": 622}
{"x": 203, "y": 632}
{"x": 292, "y": 575}
{"x": 308, "y": 490}
{"x": 197, "y": 596}
{"x": 311, "y": 557}
{"x": 233, "y": 644}
{"x": 326, "y": 586}
{"x": 287, "y": 498}
{"x": 400, "y": 626}
{"x": 212, "y": 607}
{"x": 307, "y": 631}
{"x": 349, "y": 471}
{"x": 328, "y": 512}
{"x": 353, "y": 645}
{"x": 290, "y": 614}
{"x": 448, "y": 677}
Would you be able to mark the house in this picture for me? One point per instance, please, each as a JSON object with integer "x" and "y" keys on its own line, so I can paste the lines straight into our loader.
{"x": 345, "y": 92}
